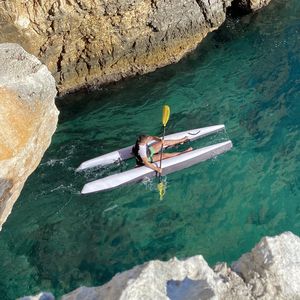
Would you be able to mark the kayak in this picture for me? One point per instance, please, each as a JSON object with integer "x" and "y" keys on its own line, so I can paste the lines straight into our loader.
{"x": 126, "y": 153}
{"x": 169, "y": 165}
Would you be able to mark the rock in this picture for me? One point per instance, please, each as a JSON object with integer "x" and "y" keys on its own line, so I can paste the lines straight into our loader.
{"x": 247, "y": 6}
{"x": 258, "y": 4}
{"x": 90, "y": 42}
{"x": 28, "y": 118}
{"x": 175, "y": 279}
{"x": 40, "y": 296}
{"x": 272, "y": 268}
{"x": 270, "y": 271}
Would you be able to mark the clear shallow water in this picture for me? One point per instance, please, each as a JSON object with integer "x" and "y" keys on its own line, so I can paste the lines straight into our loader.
{"x": 247, "y": 76}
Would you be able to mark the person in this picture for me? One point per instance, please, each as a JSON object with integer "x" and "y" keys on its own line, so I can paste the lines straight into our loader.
{"x": 147, "y": 150}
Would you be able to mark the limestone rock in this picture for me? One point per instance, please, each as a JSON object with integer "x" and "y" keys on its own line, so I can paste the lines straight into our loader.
{"x": 97, "y": 41}
{"x": 28, "y": 118}
{"x": 272, "y": 268}
{"x": 270, "y": 271}
{"x": 189, "y": 279}
{"x": 91, "y": 42}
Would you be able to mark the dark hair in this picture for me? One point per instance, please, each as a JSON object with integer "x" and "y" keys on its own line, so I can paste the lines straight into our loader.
{"x": 141, "y": 137}
{"x": 136, "y": 148}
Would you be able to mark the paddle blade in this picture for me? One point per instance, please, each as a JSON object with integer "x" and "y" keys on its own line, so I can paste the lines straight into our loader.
{"x": 165, "y": 114}
{"x": 162, "y": 190}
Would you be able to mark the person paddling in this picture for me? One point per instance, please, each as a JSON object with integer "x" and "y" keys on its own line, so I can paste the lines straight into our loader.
{"x": 147, "y": 150}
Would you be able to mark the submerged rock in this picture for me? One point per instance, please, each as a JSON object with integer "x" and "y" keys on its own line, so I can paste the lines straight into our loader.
{"x": 270, "y": 271}
{"x": 90, "y": 42}
{"x": 28, "y": 119}
{"x": 247, "y": 6}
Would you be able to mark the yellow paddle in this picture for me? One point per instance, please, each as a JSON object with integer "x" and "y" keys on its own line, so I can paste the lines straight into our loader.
{"x": 165, "y": 118}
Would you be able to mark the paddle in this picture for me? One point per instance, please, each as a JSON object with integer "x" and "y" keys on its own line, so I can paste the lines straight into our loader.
{"x": 165, "y": 118}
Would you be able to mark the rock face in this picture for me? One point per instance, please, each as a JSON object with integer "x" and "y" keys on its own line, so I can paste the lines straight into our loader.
{"x": 188, "y": 279}
{"x": 91, "y": 42}
{"x": 28, "y": 118}
{"x": 270, "y": 271}
{"x": 272, "y": 268}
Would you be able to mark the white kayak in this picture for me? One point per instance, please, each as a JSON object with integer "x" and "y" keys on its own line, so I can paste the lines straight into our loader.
{"x": 126, "y": 153}
{"x": 168, "y": 165}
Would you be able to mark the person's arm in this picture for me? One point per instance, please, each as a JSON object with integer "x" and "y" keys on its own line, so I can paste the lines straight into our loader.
{"x": 156, "y": 138}
{"x": 151, "y": 166}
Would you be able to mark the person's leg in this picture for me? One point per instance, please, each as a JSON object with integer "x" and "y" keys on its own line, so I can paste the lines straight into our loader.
{"x": 156, "y": 157}
{"x": 167, "y": 143}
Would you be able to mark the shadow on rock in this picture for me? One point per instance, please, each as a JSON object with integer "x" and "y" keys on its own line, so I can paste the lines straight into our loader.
{"x": 189, "y": 289}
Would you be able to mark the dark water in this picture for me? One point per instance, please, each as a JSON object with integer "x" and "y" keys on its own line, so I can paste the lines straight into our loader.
{"x": 247, "y": 76}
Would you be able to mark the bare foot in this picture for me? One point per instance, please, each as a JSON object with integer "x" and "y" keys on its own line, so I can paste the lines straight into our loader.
{"x": 184, "y": 140}
{"x": 188, "y": 150}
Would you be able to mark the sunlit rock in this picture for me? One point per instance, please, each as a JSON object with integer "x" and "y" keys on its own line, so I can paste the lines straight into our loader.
{"x": 85, "y": 43}
{"x": 175, "y": 279}
{"x": 28, "y": 119}
{"x": 270, "y": 271}
{"x": 272, "y": 268}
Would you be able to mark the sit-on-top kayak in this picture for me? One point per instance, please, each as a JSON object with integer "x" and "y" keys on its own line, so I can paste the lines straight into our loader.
{"x": 169, "y": 165}
{"x": 126, "y": 153}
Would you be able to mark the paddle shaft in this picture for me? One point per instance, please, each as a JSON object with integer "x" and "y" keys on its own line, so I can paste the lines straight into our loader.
{"x": 161, "y": 151}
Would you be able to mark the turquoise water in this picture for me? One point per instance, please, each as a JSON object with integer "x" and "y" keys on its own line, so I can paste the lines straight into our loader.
{"x": 247, "y": 76}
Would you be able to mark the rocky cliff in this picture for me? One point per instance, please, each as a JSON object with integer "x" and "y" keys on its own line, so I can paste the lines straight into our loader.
{"x": 270, "y": 271}
{"x": 83, "y": 42}
{"x": 91, "y": 42}
{"x": 28, "y": 118}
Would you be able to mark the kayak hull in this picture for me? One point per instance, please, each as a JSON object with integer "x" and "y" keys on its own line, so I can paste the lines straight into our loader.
{"x": 126, "y": 153}
{"x": 169, "y": 165}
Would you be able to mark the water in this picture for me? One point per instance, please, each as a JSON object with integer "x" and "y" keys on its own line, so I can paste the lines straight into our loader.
{"x": 247, "y": 76}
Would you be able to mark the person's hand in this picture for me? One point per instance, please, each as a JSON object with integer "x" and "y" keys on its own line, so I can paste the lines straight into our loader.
{"x": 159, "y": 170}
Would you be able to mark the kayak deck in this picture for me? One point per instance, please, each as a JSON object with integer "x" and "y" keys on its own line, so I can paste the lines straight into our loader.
{"x": 169, "y": 165}
{"x": 126, "y": 153}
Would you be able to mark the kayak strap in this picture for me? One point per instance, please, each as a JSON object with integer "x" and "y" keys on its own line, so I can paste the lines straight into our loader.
{"x": 190, "y": 133}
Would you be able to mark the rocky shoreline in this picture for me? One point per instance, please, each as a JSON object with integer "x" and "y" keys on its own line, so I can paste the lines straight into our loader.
{"x": 83, "y": 43}
{"x": 270, "y": 271}
{"x": 89, "y": 43}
